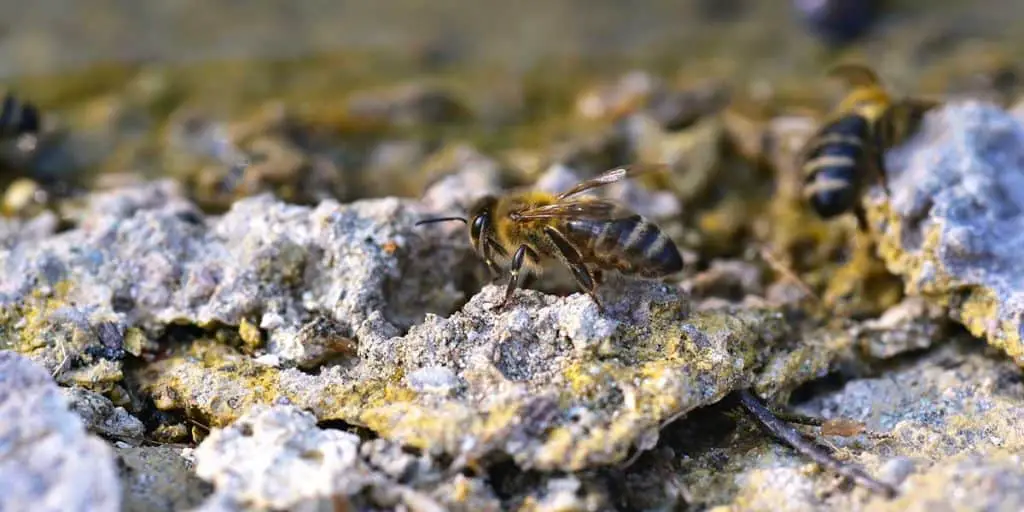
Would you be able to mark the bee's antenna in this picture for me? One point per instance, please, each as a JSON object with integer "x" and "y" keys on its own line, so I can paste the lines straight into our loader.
{"x": 442, "y": 219}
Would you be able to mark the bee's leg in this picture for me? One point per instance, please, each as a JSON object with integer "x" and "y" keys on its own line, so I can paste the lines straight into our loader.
{"x": 862, "y": 218}
{"x": 571, "y": 258}
{"x": 488, "y": 249}
{"x": 883, "y": 179}
{"x": 529, "y": 276}
{"x": 517, "y": 265}
{"x": 876, "y": 151}
{"x": 484, "y": 247}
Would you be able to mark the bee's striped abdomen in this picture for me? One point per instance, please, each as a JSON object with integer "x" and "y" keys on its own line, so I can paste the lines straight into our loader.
{"x": 17, "y": 118}
{"x": 631, "y": 245}
{"x": 833, "y": 166}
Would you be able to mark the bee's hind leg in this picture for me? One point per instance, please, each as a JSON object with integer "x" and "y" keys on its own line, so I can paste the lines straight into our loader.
{"x": 571, "y": 258}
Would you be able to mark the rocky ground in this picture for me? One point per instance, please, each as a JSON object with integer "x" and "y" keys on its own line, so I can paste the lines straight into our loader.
{"x": 233, "y": 308}
{"x": 334, "y": 354}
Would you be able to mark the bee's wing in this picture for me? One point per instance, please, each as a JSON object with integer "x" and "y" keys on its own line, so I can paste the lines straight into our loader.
{"x": 583, "y": 209}
{"x": 854, "y": 75}
{"x": 611, "y": 176}
{"x": 901, "y": 119}
{"x": 911, "y": 108}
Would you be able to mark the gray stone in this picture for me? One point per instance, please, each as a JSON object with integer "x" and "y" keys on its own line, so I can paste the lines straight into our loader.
{"x": 954, "y": 228}
{"x": 47, "y": 459}
{"x": 145, "y": 257}
{"x": 434, "y": 379}
{"x": 276, "y": 458}
{"x": 101, "y": 417}
{"x": 549, "y": 381}
{"x": 158, "y": 478}
{"x": 944, "y": 428}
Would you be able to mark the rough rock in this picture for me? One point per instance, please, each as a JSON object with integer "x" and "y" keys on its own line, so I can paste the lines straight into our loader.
{"x": 101, "y": 417}
{"x": 158, "y": 478}
{"x": 47, "y": 459}
{"x": 954, "y": 228}
{"x": 14, "y": 230}
{"x": 276, "y": 458}
{"x": 945, "y": 428}
{"x": 144, "y": 257}
{"x": 549, "y": 381}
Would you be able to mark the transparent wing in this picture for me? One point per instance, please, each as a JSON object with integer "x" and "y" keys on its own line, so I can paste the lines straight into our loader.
{"x": 583, "y": 209}
{"x": 901, "y": 119}
{"x": 612, "y": 176}
{"x": 854, "y": 75}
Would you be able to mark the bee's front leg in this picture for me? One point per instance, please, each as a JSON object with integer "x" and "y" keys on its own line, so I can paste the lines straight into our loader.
{"x": 514, "y": 270}
{"x": 487, "y": 250}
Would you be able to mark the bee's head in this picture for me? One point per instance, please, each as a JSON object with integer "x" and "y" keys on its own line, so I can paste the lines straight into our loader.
{"x": 479, "y": 215}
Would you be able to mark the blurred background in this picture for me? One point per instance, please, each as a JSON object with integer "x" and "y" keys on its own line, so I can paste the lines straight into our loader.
{"x": 314, "y": 98}
{"x": 64, "y": 35}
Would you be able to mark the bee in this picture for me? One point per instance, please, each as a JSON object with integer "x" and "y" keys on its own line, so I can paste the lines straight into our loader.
{"x": 531, "y": 229}
{"x": 850, "y": 145}
{"x": 17, "y": 117}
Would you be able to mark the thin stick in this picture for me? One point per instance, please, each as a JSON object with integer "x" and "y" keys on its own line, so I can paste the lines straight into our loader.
{"x": 769, "y": 257}
{"x": 799, "y": 419}
{"x": 64, "y": 354}
{"x": 797, "y": 441}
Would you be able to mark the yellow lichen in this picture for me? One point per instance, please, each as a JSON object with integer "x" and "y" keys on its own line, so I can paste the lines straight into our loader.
{"x": 973, "y": 305}
{"x": 624, "y": 399}
{"x": 250, "y": 334}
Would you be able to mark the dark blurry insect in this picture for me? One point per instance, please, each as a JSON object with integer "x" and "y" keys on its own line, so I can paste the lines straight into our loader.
{"x": 850, "y": 144}
{"x": 18, "y": 117}
{"x": 586, "y": 234}
{"x": 838, "y": 22}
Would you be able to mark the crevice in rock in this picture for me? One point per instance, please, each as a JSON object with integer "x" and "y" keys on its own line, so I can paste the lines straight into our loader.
{"x": 365, "y": 434}
{"x": 510, "y": 483}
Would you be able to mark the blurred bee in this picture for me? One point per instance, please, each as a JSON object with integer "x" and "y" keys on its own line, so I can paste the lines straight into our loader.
{"x": 531, "y": 229}
{"x": 850, "y": 145}
{"x": 17, "y": 118}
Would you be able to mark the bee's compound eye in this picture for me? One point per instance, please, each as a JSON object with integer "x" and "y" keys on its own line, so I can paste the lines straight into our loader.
{"x": 478, "y": 226}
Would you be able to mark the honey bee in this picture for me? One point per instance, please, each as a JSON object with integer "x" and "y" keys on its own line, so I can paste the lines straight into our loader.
{"x": 531, "y": 229}
{"x": 850, "y": 145}
{"x": 17, "y": 117}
